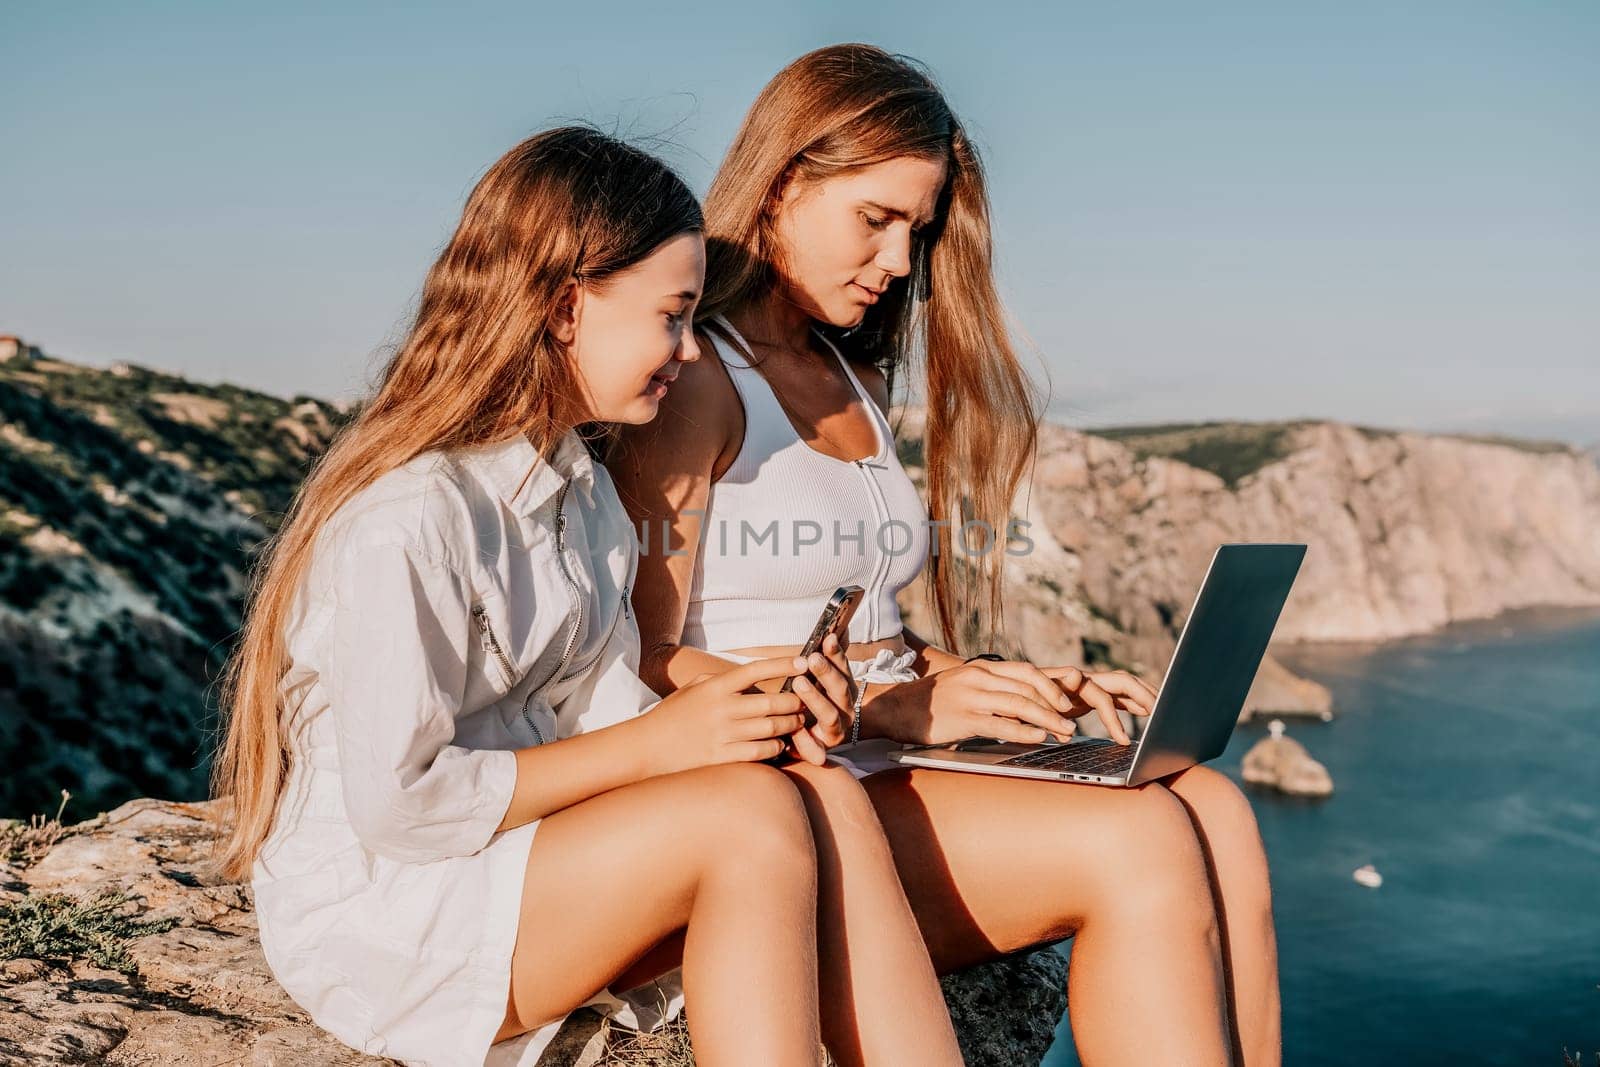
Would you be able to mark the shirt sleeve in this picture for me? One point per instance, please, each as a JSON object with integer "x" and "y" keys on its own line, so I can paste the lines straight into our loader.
{"x": 396, "y": 675}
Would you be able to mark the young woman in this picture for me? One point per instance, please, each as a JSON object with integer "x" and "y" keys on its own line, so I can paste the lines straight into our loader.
{"x": 846, "y": 230}
{"x": 440, "y": 660}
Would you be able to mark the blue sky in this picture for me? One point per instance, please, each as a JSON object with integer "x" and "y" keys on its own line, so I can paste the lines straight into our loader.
{"x": 1376, "y": 213}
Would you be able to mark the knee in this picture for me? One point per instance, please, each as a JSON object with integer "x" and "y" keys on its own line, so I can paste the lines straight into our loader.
{"x": 1232, "y": 837}
{"x": 1151, "y": 862}
{"x": 1151, "y": 813}
{"x": 758, "y": 819}
{"x": 843, "y": 814}
{"x": 1216, "y": 804}
{"x": 835, "y": 789}
{"x": 1228, "y": 828}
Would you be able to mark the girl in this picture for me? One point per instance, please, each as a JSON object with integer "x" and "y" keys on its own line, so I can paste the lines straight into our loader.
{"x": 847, "y": 229}
{"x": 462, "y": 813}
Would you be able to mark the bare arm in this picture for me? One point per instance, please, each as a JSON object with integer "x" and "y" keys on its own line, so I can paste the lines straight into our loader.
{"x": 561, "y": 773}
{"x": 930, "y": 658}
{"x": 663, "y": 472}
{"x": 721, "y": 719}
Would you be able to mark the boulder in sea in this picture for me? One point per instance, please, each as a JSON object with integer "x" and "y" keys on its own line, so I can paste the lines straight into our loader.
{"x": 119, "y": 945}
{"x": 1367, "y": 875}
{"x": 1283, "y": 763}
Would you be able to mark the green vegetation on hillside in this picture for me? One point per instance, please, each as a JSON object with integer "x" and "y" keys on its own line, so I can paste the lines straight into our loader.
{"x": 1235, "y": 450}
{"x": 131, "y": 505}
{"x": 232, "y": 439}
{"x": 1231, "y": 450}
{"x": 1537, "y": 448}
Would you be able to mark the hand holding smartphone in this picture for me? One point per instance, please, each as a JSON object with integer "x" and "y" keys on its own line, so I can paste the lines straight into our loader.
{"x": 834, "y": 619}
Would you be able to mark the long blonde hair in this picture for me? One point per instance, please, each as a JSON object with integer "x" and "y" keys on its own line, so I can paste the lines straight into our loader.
{"x": 478, "y": 365}
{"x": 839, "y": 109}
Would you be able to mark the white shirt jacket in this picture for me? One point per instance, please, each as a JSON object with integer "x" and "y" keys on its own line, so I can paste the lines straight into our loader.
{"x": 461, "y": 607}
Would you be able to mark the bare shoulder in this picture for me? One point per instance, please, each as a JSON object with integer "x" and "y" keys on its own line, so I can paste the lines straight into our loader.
{"x": 698, "y": 423}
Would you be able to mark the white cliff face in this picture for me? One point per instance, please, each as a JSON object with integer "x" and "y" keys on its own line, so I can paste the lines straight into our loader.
{"x": 1434, "y": 530}
{"x": 1406, "y": 533}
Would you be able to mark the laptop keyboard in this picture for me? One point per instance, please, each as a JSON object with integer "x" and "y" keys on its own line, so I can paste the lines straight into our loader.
{"x": 1093, "y": 756}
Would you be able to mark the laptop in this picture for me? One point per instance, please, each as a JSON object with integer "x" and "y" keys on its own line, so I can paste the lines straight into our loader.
{"x": 1217, "y": 657}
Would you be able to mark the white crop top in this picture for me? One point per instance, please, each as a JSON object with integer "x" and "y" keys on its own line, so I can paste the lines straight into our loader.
{"x": 786, "y": 525}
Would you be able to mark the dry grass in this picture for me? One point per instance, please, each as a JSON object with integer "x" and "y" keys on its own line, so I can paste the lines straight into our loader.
{"x": 60, "y": 927}
{"x": 666, "y": 1047}
{"x": 26, "y": 843}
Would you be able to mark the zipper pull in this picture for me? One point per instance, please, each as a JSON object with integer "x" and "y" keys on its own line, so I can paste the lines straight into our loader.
{"x": 479, "y": 617}
{"x": 561, "y": 514}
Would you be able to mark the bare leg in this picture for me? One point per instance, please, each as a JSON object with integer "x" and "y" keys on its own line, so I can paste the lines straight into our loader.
{"x": 1124, "y": 872}
{"x": 880, "y": 997}
{"x": 1237, "y": 865}
{"x": 992, "y": 865}
{"x": 881, "y": 1002}
{"x": 612, "y": 877}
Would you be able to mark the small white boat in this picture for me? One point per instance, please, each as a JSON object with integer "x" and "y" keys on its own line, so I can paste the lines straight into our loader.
{"x": 1368, "y": 876}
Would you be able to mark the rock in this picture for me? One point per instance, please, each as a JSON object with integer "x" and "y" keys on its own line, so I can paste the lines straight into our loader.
{"x": 1283, "y": 764}
{"x": 1006, "y": 1012}
{"x": 200, "y": 992}
{"x": 1278, "y": 691}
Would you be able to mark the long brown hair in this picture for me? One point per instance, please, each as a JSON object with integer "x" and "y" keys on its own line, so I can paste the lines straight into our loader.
{"x": 839, "y": 109}
{"x": 478, "y": 365}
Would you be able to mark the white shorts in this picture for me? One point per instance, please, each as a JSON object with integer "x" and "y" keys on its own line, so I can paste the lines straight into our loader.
{"x": 872, "y": 755}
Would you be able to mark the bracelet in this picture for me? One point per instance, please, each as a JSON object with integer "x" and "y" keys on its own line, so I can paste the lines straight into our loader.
{"x": 986, "y": 655}
{"x": 855, "y": 713}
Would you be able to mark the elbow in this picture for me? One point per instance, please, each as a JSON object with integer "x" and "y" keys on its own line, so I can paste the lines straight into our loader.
{"x": 654, "y": 666}
{"x": 381, "y": 833}
{"x": 385, "y": 831}
{"x": 406, "y": 829}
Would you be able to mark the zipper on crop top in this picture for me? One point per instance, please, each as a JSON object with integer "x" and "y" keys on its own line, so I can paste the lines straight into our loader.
{"x": 880, "y": 568}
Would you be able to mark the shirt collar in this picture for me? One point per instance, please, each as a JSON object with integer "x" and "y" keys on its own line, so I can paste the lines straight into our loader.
{"x": 526, "y": 480}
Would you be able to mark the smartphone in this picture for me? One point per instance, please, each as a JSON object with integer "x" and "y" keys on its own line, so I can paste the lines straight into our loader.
{"x": 835, "y": 619}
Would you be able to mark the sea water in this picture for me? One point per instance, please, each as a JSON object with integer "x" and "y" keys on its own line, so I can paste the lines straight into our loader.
{"x": 1466, "y": 768}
